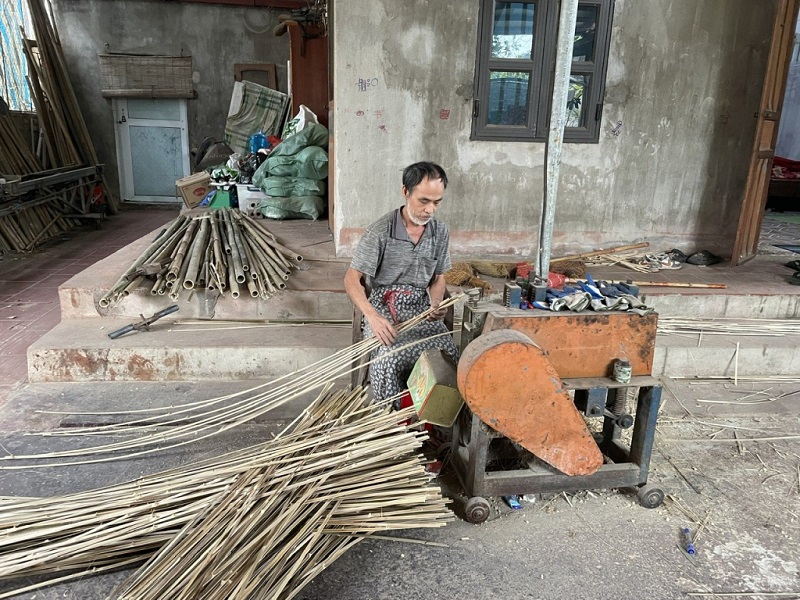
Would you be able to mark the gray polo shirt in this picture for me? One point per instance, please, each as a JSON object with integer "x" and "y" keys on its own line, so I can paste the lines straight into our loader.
{"x": 388, "y": 256}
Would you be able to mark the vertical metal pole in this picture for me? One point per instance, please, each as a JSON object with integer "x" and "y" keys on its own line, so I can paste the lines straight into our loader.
{"x": 555, "y": 139}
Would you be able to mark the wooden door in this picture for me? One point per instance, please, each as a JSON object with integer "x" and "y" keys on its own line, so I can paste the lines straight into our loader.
{"x": 756, "y": 188}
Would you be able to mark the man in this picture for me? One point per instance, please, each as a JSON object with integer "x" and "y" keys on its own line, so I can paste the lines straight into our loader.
{"x": 403, "y": 257}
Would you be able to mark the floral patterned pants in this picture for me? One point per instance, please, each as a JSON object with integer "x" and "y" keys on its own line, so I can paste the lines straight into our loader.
{"x": 399, "y": 303}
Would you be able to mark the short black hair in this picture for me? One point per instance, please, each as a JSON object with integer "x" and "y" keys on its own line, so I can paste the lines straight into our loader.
{"x": 415, "y": 174}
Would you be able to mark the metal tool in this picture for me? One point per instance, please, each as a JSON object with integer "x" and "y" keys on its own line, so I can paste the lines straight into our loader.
{"x": 144, "y": 323}
{"x": 153, "y": 268}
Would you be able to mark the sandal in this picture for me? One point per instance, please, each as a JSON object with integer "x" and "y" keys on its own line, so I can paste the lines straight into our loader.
{"x": 794, "y": 265}
{"x": 703, "y": 258}
{"x": 795, "y": 279}
{"x": 677, "y": 255}
{"x": 663, "y": 261}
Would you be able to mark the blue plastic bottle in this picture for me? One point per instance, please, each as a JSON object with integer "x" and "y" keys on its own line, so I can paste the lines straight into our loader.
{"x": 258, "y": 141}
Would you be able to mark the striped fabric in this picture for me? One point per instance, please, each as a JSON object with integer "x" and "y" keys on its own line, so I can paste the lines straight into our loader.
{"x": 254, "y": 108}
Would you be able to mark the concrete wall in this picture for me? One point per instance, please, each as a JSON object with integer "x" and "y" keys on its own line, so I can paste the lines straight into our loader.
{"x": 216, "y": 36}
{"x": 684, "y": 79}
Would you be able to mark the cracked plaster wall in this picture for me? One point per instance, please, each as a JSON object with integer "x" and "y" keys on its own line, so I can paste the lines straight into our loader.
{"x": 684, "y": 79}
{"x": 216, "y": 37}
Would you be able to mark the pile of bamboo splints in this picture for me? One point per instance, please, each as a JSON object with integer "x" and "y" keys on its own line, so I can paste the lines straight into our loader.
{"x": 258, "y": 523}
{"x": 223, "y": 249}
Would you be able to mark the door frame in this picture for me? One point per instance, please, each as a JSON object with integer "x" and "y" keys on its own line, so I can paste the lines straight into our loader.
{"x": 122, "y": 122}
{"x": 759, "y": 172}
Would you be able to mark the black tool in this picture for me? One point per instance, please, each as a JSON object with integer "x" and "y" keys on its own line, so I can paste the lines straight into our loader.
{"x": 153, "y": 268}
{"x": 144, "y": 323}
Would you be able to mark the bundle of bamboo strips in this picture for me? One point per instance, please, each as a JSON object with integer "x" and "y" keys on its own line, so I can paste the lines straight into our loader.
{"x": 723, "y": 326}
{"x": 256, "y": 523}
{"x": 221, "y": 249}
{"x": 161, "y": 429}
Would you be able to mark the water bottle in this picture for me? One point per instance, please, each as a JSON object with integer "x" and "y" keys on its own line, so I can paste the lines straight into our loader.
{"x": 257, "y": 142}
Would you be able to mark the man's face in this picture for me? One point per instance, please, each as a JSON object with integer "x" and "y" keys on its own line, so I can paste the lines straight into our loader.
{"x": 424, "y": 200}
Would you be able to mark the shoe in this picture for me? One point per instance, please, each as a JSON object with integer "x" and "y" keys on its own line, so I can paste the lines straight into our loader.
{"x": 663, "y": 260}
{"x": 703, "y": 258}
{"x": 795, "y": 279}
{"x": 794, "y": 265}
{"x": 677, "y": 255}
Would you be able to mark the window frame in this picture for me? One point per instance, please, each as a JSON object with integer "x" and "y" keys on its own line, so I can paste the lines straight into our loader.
{"x": 542, "y": 69}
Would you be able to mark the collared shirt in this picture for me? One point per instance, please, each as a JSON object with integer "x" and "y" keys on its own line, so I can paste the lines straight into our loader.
{"x": 387, "y": 255}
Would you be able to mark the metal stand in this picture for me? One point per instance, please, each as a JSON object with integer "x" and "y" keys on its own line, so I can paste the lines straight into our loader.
{"x": 627, "y": 466}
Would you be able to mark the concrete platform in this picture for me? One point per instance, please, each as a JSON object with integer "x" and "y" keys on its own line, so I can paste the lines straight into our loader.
{"x": 718, "y": 355}
{"x": 80, "y": 350}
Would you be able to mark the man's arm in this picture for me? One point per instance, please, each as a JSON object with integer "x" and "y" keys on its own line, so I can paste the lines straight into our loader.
{"x": 436, "y": 291}
{"x": 380, "y": 326}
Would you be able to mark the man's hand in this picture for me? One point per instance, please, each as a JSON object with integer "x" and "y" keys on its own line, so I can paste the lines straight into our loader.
{"x": 437, "y": 314}
{"x": 382, "y": 329}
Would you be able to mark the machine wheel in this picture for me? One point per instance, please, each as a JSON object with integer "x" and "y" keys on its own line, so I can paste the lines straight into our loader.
{"x": 650, "y": 496}
{"x": 477, "y": 510}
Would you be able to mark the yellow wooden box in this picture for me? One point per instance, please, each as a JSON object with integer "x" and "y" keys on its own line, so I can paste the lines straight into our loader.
{"x": 434, "y": 389}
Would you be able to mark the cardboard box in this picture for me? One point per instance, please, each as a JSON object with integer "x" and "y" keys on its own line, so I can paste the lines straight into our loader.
{"x": 194, "y": 188}
{"x": 434, "y": 389}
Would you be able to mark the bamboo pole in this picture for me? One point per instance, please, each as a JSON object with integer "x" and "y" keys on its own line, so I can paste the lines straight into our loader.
{"x": 601, "y": 252}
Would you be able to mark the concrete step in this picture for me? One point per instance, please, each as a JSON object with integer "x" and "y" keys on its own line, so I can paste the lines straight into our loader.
{"x": 718, "y": 355}
{"x": 731, "y": 306}
{"x": 80, "y": 350}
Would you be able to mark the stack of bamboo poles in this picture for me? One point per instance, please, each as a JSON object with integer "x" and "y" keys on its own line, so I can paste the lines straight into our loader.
{"x": 16, "y": 157}
{"x": 66, "y": 137}
{"x": 223, "y": 249}
{"x": 65, "y": 140}
{"x": 21, "y": 230}
{"x": 257, "y": 523}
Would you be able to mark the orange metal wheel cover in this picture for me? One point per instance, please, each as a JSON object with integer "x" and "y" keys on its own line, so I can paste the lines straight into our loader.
{"x": 511, "y": 386}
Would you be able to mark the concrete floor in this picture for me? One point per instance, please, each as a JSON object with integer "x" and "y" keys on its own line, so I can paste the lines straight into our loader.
{"x": 589, "y": 545}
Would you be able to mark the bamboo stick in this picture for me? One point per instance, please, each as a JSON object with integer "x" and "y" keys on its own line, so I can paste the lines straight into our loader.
{"x": 601, "y": 252}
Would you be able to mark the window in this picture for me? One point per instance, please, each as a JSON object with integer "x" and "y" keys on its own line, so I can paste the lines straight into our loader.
{"x": 516, "y": 59}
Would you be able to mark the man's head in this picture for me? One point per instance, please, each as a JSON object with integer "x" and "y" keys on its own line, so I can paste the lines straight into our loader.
{"x": 423, "y": 188}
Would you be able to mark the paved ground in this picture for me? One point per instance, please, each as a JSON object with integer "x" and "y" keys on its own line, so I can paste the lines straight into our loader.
{"x": 593, "y": 545}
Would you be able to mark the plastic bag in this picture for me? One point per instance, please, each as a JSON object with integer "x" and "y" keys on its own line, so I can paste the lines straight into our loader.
{"x": 295, "y": 207}
{"x": 305, "y": 116}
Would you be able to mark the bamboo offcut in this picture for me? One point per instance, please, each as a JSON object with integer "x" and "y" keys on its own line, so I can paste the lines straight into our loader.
{"x": 221, "y": 250}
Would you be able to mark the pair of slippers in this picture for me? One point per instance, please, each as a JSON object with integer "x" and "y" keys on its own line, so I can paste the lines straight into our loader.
{"x": 795, "y": 265}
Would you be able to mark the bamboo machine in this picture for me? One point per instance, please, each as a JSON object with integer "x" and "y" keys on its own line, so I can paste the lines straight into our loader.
{"x": 544, "y": 414}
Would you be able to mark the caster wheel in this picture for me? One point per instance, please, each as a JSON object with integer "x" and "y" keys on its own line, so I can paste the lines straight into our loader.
{"x": 477, "y": 510}
{"x": 650, "y": 496}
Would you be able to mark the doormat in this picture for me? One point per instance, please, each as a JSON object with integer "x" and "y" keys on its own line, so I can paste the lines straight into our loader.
{"x": 783, "y": 217}
{"x": 791, "y": 247}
